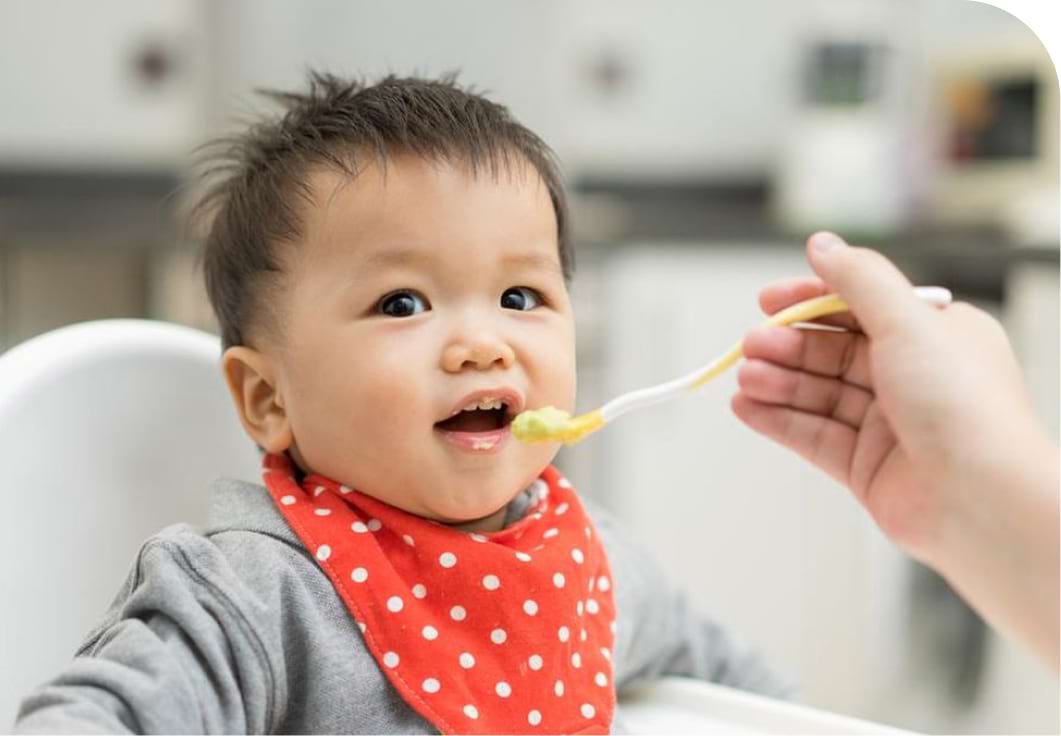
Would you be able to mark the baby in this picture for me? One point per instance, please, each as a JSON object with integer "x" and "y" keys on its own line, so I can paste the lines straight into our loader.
{"x": 389, "y": 268}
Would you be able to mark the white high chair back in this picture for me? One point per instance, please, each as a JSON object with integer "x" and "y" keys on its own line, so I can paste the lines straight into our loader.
{"x": 109, "y": 431}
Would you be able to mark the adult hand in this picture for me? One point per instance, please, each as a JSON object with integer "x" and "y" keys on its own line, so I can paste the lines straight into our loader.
{"x": 922, "y": 412}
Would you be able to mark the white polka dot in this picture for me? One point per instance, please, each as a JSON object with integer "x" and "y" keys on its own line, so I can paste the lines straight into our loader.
{"x": 395, "y": 604}
{"x": 477, "y": 537}
{"x": 467, "y": 660}
{"x": 322, "y": 512}
{"x": 429, "y": 632}
{"x": 577, "y": 556}
{"x": 537, "y": 516}
{"x": 576, "y": 660}
{"x": 318, "y": 491}
{"x": 491, "y": 582}
{"x": 592, "y": 606}
{"x": 559, "y": 580}
{"x": 583, "y": 635}
{"x": 374, "y": 525}
{"x": 419, "y": 590}
{"x": 612, "y": 626}
{"x": 534, "y": 718}
{"x": 558, "y": 688}
{"x": 471, "y": 711}
{"x": 359, "y": 527}
{"x": 361, "y": 626}
{"x": 391, "y": 659}
{"x": 601, "y": 679}
{"x": 359, "y": 575}
{"x": 324, "y": 552}
{"x": 287, "y": 500}
{"x": 457, "y": 613}
{"x": 550, "y": 533}
{"x": 603, "y": 584}
{"x": 578, "y": 608}
{"x": 592, "y": 582}
{"x": 523, "y": 557}
{"x": 588, "y": 711}
{"x": 606, "y": 653}
{"x": 503, "y": 689}
{"x": 530, "y": 607}
{"x": 409, "y": 540}
{"x": 535, "y": 662}
{"x": 561, "y": 509}
{"x": 564, "y": 633}
{"x": 431, "y": 685}
{"x": 563, "y": 482}
{"x": 344, "y": 489}
{"x": 447, "y": 559}
{"x": 498, "y": 636}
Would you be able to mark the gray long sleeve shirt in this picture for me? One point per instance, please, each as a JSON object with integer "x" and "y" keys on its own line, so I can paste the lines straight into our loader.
{"x": 235, "y": 629}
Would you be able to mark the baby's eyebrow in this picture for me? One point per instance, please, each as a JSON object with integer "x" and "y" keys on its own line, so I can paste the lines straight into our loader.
{"x": 389, "y": 257}
{"x": 534, "y": 260}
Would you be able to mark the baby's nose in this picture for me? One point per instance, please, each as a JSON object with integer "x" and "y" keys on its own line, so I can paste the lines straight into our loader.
{"x": 480, "y": 353}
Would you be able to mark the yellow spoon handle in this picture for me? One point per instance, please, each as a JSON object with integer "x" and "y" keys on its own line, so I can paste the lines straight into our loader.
{"x": 804, "y": 311}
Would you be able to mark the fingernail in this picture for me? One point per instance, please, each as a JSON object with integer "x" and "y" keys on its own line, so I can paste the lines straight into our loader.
{"x": 824, "y": 242}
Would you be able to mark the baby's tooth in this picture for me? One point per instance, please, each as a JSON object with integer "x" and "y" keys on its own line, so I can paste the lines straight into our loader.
{"x": 485, "y": 404}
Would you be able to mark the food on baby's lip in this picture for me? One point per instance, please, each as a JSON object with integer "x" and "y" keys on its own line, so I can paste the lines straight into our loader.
{"x": 540, "y": 425}
{"x": 550, "y": 424}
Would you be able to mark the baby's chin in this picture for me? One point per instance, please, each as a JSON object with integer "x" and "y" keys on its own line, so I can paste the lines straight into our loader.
{"x": 471, "y": 516}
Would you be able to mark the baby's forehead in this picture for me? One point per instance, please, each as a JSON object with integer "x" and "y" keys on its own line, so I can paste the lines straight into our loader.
{"x": 397, "y": 173}
{"x": 411, "y": 203}
{"x": 409, "y": 192}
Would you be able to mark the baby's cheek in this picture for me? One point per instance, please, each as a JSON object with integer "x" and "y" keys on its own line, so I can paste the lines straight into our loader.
{"x": 561, "y": 383}
{"x": 392, "y": 408}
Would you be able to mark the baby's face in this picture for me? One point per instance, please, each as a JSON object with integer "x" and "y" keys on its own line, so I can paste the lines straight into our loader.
{"x": 415, "y": 293}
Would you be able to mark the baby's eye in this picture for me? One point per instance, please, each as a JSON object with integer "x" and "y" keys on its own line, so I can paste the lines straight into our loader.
{"x": 522, "y": 298}
{"x": 402, "y": 304}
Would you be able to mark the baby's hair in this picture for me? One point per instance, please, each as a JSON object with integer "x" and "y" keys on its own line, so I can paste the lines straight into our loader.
{"x": 258, "y": 182}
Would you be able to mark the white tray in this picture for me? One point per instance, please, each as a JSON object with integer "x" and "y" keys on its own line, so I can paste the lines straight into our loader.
{"x": 678, "y": 705}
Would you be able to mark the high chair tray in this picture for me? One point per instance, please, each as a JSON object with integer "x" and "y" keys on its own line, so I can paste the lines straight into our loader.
{"x": 676, "y": 705}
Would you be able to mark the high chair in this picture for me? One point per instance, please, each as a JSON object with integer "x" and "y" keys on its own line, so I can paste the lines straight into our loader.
{"x": 109, "y": 431}
{"x": 112, "y": 430}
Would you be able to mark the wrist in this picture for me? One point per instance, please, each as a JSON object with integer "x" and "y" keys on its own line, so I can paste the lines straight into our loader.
{"x": 985, "y": 494}
{"x": 991, "y": 512}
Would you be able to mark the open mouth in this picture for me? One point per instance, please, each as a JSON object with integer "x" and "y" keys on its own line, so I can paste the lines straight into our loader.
{"x": 485, "y": 415}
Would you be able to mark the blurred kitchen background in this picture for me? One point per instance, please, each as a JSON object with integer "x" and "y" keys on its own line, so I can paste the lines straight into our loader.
{"x": 703, "y": 141}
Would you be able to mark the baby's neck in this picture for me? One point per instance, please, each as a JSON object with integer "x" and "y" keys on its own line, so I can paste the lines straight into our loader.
{"x": 495, "y": 522}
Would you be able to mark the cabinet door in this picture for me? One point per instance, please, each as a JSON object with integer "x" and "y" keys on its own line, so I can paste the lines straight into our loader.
{"x": 764, "y": 542}
{"x": 104, "y": 83}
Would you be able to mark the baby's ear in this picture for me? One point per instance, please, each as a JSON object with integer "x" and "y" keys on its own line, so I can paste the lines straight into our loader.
{"x": 252, "y": 383}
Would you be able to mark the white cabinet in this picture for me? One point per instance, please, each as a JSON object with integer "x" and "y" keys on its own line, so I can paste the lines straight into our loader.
{"x": 108, "y": 83}
{"x": 765, "y": 543}
{"x": 503, "y": 49}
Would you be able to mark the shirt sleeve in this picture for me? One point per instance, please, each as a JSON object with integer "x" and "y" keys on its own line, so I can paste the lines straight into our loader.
{"x": 177, "y": 653}
{"x": 659, "y": 633}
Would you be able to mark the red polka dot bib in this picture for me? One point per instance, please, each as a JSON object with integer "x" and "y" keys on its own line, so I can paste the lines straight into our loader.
{"x": 508, "y": 632}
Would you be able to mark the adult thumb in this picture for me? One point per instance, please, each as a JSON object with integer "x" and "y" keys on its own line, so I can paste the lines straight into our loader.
{"x": 877, "y": 293}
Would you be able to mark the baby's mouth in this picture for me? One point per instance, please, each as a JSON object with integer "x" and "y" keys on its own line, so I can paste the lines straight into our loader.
{"x": 477, "y": 420}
